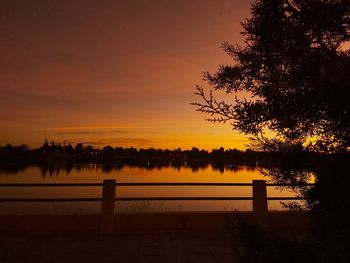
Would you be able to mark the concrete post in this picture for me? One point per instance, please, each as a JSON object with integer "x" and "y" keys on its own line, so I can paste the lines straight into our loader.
{"x": 260, "y": 209}
{"x": 107, "y": 209}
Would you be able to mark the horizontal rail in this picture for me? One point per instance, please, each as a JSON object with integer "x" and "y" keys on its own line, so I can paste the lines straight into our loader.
{"x": 122, "y": 199}
{"x": 243, "y": 198}
{"x": 286, "y": 198}
{"x": 142, "y": 199}
{"x": 140, "y": 184}
{"x": 181, "y": 198}
{"x": 291, "y": 185}
{"x": 183, "y": 184}
{"x": 27, "y": 200}
{"x": 50, "y": 184}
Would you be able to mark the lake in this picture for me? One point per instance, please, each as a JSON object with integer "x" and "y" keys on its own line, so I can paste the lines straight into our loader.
{"x": 97, "y": 173}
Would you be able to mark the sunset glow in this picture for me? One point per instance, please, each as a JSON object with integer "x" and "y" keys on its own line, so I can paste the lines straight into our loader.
{"x": 121, "y": 73}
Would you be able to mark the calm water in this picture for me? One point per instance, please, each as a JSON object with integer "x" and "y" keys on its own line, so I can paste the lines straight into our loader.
{"x": 96, "y": 173}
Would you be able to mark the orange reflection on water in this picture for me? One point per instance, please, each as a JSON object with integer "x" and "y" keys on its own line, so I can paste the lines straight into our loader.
{"x": 94, "y": 173}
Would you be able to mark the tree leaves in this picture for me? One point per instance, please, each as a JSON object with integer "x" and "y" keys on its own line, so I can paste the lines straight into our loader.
{"x": 294, "y": 70}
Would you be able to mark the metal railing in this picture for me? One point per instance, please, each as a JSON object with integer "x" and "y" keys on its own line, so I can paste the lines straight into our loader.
{"x": 108, "y": 199}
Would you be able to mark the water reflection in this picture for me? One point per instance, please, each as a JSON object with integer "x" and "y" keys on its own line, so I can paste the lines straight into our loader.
{"x": 152, "y": 172}
{"x": 55, "y": 169}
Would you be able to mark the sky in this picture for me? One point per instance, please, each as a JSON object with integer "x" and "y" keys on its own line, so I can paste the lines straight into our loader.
{"x": 121, "y": 73}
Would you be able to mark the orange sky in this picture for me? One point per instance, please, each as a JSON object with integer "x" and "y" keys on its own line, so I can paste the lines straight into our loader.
{"x": 113, "y": 72}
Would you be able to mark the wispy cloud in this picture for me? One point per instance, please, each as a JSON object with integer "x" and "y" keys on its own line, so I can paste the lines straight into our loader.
{"x": 123, "y": 141}
{"x": 74, "y": 132}
{"x": 72, "y": 128}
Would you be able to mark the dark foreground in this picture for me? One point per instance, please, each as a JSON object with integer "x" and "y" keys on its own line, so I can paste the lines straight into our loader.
{"x": 127, "y": 246}
{"x": 195, "y": 237}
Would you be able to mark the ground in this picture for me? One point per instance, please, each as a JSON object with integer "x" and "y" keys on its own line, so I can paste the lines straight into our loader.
{"x": 166, "y": 238}
{"x": 126, "y": 246}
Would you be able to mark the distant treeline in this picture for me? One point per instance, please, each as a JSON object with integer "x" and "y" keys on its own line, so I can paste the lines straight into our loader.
{"x": 54, "y": 154}
{"x": 79, "y": 153}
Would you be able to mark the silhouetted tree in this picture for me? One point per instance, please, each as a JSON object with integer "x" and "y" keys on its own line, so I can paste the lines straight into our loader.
{"x": 293, "y": 71}
{"x": 79, "y": 147}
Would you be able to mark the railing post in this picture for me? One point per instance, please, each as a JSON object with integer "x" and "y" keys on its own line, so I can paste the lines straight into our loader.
{"x": 260, "y": 209}
{"x": 107, "y": 208}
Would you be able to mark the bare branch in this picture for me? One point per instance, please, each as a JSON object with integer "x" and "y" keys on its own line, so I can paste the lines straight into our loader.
{"x": 219, "y": 110}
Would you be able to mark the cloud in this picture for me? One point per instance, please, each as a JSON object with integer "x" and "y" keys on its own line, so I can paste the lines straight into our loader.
{"x": 122, "y": 141}
{"x": 88, "y": 132}
{"x": 82, "y": 128}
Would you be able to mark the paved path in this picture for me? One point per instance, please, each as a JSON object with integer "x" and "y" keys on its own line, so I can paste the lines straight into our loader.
{"x": 127, "y": 246}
